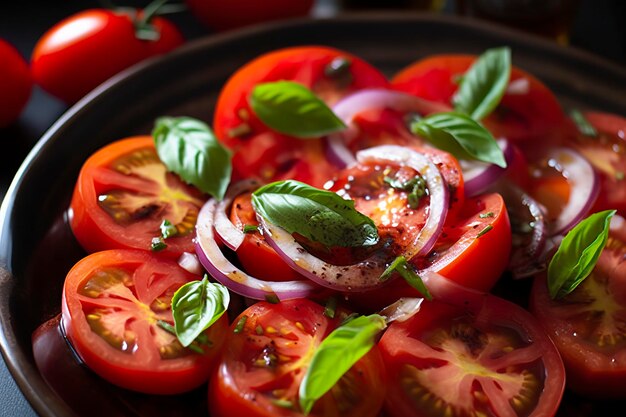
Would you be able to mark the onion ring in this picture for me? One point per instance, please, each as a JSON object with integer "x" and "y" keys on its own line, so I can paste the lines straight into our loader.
{"x": 224, "y": 228}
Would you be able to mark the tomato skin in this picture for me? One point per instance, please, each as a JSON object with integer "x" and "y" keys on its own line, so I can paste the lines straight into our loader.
{"x": 141, "y": 368}
{"x": 240, "y": 388}
{"x": 587, "y": 325}
{"x": 435, "y": 359}
{"x": 278, "y": 156}
{"x": 96, "y": 230}
{"x": 530, "y": 117}
{"x": 15, "y": 83}
{"x": 219, "y": 15}
{"x": 69, "y": 60}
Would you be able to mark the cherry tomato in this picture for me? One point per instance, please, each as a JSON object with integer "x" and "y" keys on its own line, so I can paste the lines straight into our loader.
{"x": 82, "y": 51}
{"x": 264, "y": 362}
{"x": 15, "y": 83}
{"x": 607, "y": 153}
{"x": 528, "y": 113}
{"x": 112, "y": 304}
{"x": 124, "y": 193}
{"x": 255, "y": 254}
{"x": 223, "y": 15}
{"x": 328, "y": 72}
{"x": 588, "y": 325}
{"x": 483, "y": 356}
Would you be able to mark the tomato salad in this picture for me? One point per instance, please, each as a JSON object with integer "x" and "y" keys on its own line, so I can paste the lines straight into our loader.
{"x": 341, "y": 243}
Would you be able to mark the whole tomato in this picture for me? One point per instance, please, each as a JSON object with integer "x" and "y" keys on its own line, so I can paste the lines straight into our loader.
{"x": 222, "y": 15}
{"x": 85, "y": 49}
{"x": 16, "y": 83}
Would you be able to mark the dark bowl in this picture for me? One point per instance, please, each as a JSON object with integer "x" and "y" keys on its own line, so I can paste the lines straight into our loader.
{"x": 38, "y": 248}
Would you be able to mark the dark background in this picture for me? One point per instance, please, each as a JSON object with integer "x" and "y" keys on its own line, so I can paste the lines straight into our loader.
{"x": 598, "y": 27}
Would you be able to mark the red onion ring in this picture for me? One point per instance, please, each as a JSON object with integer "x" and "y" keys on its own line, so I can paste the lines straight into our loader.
{"x": 220, "y": 268}
{"x": 584, "y": 187}
{"x": 479, "y": 176}
{"x": 365, "y": 275}
{"x": 224, "y": 228}
{"x": 189, "y": 262}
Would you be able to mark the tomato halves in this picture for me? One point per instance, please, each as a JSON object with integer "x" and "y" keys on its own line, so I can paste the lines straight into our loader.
{"x": 15, "y": 83}
{"x": 588, "y": 325}
{"x": 329, "y": 73}
{"x": 82, "y": 51}
{"x": 484, "y": 356}
{"x": 124, "y": 193}
{"x": 265, "y": 359}
{"x": 112, "y": 304}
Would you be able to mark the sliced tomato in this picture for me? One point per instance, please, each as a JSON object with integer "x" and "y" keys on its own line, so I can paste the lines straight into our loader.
{"x": 484, "y": 356}
{"x": 528, "y": 112}
{"x": 588, "y": 325}
{"x": 266, "y": 357}
{"x": 607, "y": 153}
{"x": 113, "y": 302}
{"x": 124, "y": 193}
{"x": 255, "y": 254}
{"x": 261, "y": 152}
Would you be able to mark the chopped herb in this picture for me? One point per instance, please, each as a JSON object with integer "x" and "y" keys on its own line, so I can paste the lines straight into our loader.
{"x": 272, "y": 298}
{"x": 168, "y": 229}
{"x": 406, "y": 271}
{"x": 583, "y": 124}
{"x": 485, "y": 230}
{"x": 416, "y": 188}
{"x": 619, "y": 175}
{"x": 486, "y": 215}
{"x": 196, "y": 349}
{"x": 240, "y": 324}
{"x": 259, "y": 330}
{"x": 157, "y": 244}
{"x": 349, "y": 318}
{"x": 331, "y": 308}
{"x": 338, "y": 68}
{"x": 250, "y": 228}
{"x": 166, "y": 326}
{"x": 279, "y": 402}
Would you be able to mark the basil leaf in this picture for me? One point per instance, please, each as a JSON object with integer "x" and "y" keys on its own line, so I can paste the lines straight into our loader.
{"x": 578, "y": 253}
{"x": 293, "y": 109}
{"x": 341, "y": 349}
{"x": 460, "y": 135}
{"x": 406, "y": 271}
{"x": 196, "y": 306}
{"x": 484, "y": 84}
{"x": 189, "y": 148}
{"x": 318, "y": 215}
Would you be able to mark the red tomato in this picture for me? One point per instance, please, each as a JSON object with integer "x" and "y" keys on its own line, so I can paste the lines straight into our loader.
{"x": 223, "y": 15}
{"x": 82, "y": 51}
{"x": 15, "y": 83}
{"x": 588, "y": 325}
{"x": 124, "y": 193}
{"x": 486, "y": 357}
{"x": 264, "y": 363}
{"x": 255, "y": 254}
{"x": 531, "y": 115}
{"x": 330, "y": 73}
{"x": 112, "y": 303}
{"x": 607, "y": 153}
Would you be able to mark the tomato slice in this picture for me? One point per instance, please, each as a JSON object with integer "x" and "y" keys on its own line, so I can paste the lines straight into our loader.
{"x": 588, "y": 325}
{"x": 255, "y": 254}
{"x": 490, "y": 358}
{"x": 265, "y": 359}
{"x": 261, "y": 152}
{"x": 112, "y": 304}
{"x": 529, "y": 113}
{"x": 124, "y": 193}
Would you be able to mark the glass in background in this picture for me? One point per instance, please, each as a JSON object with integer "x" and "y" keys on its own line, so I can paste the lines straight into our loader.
{"x": 549, "y": 18}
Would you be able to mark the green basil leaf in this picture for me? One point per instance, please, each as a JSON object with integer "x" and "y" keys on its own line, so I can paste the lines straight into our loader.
{"x": 318, "y": 215}
{"x": 460, "y": 135}
{"x": 578, "y": 253}
{"x": 484, "y": 84}
{"x": 196, "y": 306}
{"x": 189, "y": 148}
{"x": 291, "y": 108}
{"x": 341, "y": 349}
{"x": 406, "y": 271}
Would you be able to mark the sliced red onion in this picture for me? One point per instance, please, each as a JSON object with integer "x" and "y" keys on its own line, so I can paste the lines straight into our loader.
{"x": 337, "y": 152}
{"x": 436, "y": 185}
{"x": 189, "y": 262}
{"x": 220, "y": 268}
{"x": 365, "y": 275}
{"x": 479, "y": 176}
{"x": 401, "y": 310}
{"x": 584, "y": 187}
{"x": 225, "y": 229}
